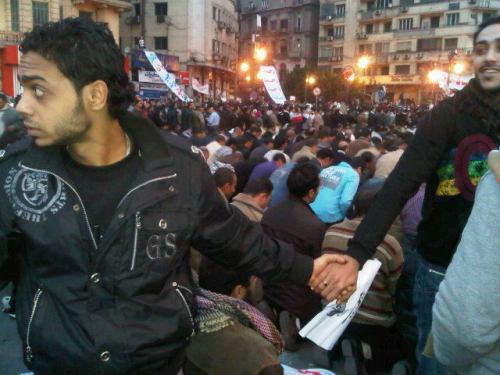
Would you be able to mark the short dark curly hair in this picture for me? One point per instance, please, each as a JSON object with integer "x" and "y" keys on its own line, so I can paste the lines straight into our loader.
{"x": 490, "y": 21}
{"x": 84, "y": 51}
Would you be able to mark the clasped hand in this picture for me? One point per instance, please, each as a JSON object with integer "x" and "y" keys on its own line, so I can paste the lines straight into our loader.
{"x": 334, "y": 276}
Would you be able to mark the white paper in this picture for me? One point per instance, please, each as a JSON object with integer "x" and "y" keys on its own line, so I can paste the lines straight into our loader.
{"x": 287, "y": 370}
{"x": 326, "y": 328}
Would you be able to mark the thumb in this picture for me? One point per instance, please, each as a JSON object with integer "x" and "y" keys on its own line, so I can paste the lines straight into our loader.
{"x": 335, "y": 258}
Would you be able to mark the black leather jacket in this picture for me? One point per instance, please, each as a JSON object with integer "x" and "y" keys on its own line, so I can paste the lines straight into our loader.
{"x": 123, "y": 305}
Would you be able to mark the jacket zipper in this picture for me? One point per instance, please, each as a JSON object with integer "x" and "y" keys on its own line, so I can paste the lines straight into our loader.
{"x": 146, "y": 183}
{"x": 36, "y": 300}
{"x": 138, "y": 226}
{"x": 78, "y": 196}
{"x": 178, "y": 291}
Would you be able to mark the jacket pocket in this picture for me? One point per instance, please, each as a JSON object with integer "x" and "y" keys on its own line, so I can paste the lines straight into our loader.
{"x": 159, "y": 238}
{"x": 186, "y": 296}
{"x": 36, "y": 304}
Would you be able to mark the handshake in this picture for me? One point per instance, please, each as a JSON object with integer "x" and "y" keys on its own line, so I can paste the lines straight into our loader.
{"x": 334, "y": 276}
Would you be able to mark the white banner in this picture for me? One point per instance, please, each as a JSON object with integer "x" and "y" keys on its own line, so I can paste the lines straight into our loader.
{"x": 456, "y": 82}
{"x": 149, "y": 77}
{"x": 166, "y": 77}
{"x": 204, "y": 89}
{"x": 271, "y": 82}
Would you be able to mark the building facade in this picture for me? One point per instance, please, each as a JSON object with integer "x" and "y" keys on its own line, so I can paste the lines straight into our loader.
{"x": 20, "y": 16}
{"x": 289, "y": 31}
{"x": 401, "y": 40}
{"x": 200, "y": 34}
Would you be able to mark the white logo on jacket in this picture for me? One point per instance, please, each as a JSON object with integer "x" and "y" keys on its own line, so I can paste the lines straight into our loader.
{"x": 31, "y": 196}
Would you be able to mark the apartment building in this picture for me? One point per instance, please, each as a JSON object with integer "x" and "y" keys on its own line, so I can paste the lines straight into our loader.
{"x": 193, "y": 38}
{"x": 20, "y": 16}
{"x": 402, "y": 40}
{"x": 289, "y": 31}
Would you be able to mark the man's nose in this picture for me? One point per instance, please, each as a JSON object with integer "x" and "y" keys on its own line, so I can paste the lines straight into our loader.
{"x": 23, "y": 106}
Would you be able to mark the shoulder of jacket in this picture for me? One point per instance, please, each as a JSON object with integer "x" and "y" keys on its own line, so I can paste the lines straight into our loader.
{"x": 15, "y": 148}
{"x": 183, "y": 146}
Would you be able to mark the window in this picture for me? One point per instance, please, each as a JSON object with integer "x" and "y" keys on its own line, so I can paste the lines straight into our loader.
{"x": 340, "y": 11}
{"x": 325, "y": 52}
{"x": 137, "y": 9}
{"x": 283, "y": 24}
{"x": 450, "y": 44}
{"x": 215, "y": 47}
{"x": 273, "y": 25}
{"x": 382, "y": 4}
{"x": 370, "y": 5}
{"x": 382, "y": 48}
{"x": 298, "y": 26}
{"x": 338, "y": 52}
{"x": 406, "y": 24}
{"x": 384, "y": 70}
{"x": 369, "y": 28}
{"x": 61, "y": 12}
{"x": 161, "y": 9}
{"x": 85, "y": 14}
{"x": 214, "y": 13}
{"x": 338, "y": 32}
{"x": 403, "y": 47}
{"x": 365, "y": 49}
{"x": 161, "y": 42}
{"x": 434, "y": 22}
{"x": 283, "y": 49}
{"x": 40, "y": 13}
{"x": 452, "y": 19}
{"x": 431, "y": 44}
{"x": 14, "y": 15}
{"x": 402, "y": 69}
{"x": 327, "y": 10}
{"x": 387, "y": 27}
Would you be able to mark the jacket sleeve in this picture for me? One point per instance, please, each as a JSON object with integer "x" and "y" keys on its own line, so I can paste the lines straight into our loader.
{"x": 6, "y": 228}
{"x": 227, "y": 237}
{"x": 466, "y": 313}
{"x": 416, "y": 166}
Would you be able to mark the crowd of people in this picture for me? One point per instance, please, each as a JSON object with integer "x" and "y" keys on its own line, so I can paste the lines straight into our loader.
{"x": 276, "y": 206}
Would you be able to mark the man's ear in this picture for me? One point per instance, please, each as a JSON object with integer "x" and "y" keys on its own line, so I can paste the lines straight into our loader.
{"x": 239, "y": 291}
{"x": 95, "y": 95}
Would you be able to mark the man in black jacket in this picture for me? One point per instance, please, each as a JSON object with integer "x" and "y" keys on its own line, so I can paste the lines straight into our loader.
{"x": 108, "y": 207}
{"x": 448, "y": 153}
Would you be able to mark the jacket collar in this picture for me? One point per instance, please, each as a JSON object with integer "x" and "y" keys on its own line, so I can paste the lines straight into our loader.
{"x": 247, "y": 200}
{"x": 147, "y": 137}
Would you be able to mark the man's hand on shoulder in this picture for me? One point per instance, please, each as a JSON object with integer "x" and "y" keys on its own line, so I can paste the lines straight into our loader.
{"x": 335, "y": 276}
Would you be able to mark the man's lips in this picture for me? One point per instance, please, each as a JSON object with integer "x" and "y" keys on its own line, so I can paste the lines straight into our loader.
{"x": 490, "y": 69}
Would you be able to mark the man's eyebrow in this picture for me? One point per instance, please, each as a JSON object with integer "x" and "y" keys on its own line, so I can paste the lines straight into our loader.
{"x": 23, "y": 79}
{"x": 496, "y": 40}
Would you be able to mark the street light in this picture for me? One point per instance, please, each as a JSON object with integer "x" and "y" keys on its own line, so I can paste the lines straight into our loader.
{"x": 244, "y": 67}
{"x": 363, "y": 62}
{"x": 458, "y": 68}
{"x": 310, "y": 80}
{"x": 434, "y": 76}
{"x": 260, "y": 54}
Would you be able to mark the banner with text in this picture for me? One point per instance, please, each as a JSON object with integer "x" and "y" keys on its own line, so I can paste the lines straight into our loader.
{"x": 272, "y": 83}
{"x": 204, "y": 89}
{"x": 166, "y": 77}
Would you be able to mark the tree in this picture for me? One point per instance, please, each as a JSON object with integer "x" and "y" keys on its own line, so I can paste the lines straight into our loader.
{"x": 333, "y": 86}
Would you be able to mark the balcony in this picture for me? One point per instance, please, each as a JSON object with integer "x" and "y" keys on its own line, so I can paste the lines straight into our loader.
{"x": 327, "y": 19}
{"x": 330, "y": 38}
{"x": 415, "y": 32}
{"x": 330, "y": 59}
{"x": 10, "y": 37}
{"x": 118, "y": 4}
{"x": 481, "y": 4}
{"x": 406, "y": 79}
{"x": 380, "y": 13}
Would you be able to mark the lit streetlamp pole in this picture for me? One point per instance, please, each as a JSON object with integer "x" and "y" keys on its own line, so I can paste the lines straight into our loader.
{"x": 310, "y": 80}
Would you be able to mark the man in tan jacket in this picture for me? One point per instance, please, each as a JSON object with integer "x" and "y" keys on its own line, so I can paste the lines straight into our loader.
{"x": 254, "y": 199}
